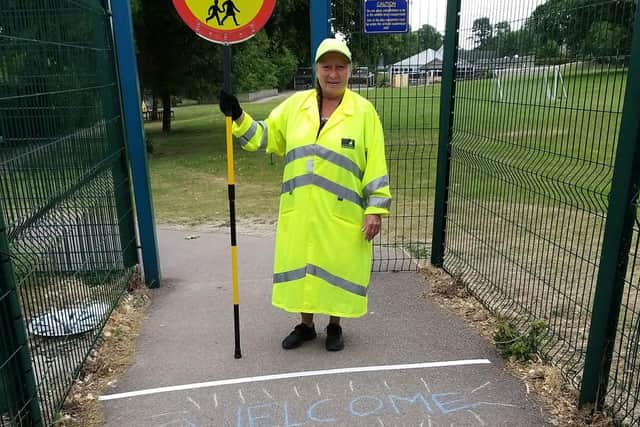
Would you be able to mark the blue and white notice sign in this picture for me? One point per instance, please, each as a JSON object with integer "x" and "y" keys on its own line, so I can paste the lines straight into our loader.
{"x": 386, "y": 16}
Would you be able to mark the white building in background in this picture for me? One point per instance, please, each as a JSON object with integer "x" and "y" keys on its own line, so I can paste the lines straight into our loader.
{"x": 424, "y": 67}
{"x": 418, "y": 62}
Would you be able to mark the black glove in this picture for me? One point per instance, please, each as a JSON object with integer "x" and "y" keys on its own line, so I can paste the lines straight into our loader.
{"x": 229, "y": 105}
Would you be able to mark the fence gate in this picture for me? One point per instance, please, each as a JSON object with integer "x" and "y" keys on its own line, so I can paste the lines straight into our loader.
{"x": 400, "y": 74}
{"x": 67, "y": 240}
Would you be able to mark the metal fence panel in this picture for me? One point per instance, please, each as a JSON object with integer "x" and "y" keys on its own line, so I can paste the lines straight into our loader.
{"x": 612, "y": 372}
{"x": 64, "y": 184}
{"x": 18, "y": 395}
{"x": 534, "y": 137}
{"x": 400, "y": 75}
{"x": 623, "y": 392}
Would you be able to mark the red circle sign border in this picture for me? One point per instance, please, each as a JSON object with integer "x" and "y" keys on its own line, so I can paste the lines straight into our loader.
{"x": 237, "y": 35}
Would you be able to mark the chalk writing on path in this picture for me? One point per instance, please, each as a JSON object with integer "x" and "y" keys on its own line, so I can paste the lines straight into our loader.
{"x": 419, "y": 407}
{"x": 338, "y": 411}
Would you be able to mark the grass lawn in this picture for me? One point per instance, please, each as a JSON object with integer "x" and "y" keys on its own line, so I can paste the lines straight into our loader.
{"x": 563, "y": 148}
{"x": 523, "y": 140}
{"x": 189, "y": 171}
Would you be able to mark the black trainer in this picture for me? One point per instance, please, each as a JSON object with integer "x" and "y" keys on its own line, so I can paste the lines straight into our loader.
{"x": 334, "y": 340}
{"x": 300, "y": 334}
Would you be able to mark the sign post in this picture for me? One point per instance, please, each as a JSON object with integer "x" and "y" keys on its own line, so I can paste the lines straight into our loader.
{"x": 226, "y": 22}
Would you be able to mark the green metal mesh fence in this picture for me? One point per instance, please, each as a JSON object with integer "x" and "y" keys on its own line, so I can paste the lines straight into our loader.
{"x": 399, "y": 74}
{"x": 624, "y": 379}
{"x": 539, "y": 91}
{"x": 535, "y": 131}
{"x": 64, "y": 188}
{"x": 18, "y": 396}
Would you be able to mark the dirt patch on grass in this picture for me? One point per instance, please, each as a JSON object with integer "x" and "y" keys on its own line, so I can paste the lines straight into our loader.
{"x": 108, "y": 361}
{"x": 543, "y": 381}
{"x": 253, "y": 226}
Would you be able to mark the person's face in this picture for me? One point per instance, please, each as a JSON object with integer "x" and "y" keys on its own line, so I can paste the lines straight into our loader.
{"x": 333, "y": 72}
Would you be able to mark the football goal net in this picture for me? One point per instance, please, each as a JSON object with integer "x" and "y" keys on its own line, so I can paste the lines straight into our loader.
{"x": 528, "y": 84}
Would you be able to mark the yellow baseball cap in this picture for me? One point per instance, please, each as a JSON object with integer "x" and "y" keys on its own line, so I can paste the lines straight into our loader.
{"x": 333, "y": 45}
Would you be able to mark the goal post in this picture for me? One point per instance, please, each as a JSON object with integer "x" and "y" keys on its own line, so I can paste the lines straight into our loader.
{"x": 552, "y": 84}
{"x": 544, "y": 83}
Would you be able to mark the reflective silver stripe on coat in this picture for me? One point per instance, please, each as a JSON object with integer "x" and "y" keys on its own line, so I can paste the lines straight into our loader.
{"x": 376, "y": 184}
{"x": 322, "y": 152}
{"x": 288, "y": 276}
{"x": 380, "y": 202}
{"x": 325, "y": 184}
{"x": 265, "y": 132}
{"x": 323, "y": 274}
{"x": 244, "y": 139}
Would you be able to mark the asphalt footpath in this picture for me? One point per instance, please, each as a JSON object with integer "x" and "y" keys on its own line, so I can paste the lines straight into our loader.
{"x": 408, "y": 362}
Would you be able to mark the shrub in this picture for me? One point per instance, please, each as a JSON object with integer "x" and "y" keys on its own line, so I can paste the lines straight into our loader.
{"x": 512, "y": 344}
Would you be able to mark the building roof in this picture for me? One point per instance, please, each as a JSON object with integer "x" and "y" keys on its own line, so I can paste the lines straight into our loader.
{"x": 428, "y": 57}
{"x": 421, "y": 58}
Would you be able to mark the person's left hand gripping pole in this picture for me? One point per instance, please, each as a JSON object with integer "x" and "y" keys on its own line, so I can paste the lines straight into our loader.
{"x": 232, "y": 205}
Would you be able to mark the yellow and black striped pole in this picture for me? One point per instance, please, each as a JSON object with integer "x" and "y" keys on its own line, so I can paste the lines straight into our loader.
{"x": 232, "y": 206}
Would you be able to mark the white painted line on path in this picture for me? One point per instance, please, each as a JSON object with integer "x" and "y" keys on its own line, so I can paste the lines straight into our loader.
{"x": 301, "y": 374}
{"x": 482, "y": 386}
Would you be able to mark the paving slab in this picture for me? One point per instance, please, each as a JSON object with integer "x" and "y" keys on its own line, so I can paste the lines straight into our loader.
{"x": 407, "y": 363}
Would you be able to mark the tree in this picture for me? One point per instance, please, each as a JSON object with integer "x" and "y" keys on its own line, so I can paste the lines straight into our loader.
{"x": 429, "y": 38}
{"x": 482, "y": 33}
{"x": 504, "y": 41}
{"x": 548, "y": 51}
{"x": 512, "y": 43}
{"x": 254, "y": 69}
{"x": 286, "y": 65}
{"x": 135, "y": 7}
{"x": 606, "y": 39}
{"x": 502, "y": 28}
{"x": 289, "y": 30}
{"x": 554, "y": 21}
{"x": 576, "y": 25}
{"x": 172, "y": 59}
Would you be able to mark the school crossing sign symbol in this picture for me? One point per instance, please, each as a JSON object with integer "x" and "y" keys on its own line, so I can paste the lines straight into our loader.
{"x": 225, "y": 21}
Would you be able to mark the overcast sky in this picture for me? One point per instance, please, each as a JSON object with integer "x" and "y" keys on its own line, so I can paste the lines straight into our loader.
{"x": 433, "y": 12}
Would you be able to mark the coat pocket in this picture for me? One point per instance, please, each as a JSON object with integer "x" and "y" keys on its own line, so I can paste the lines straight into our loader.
{"x": 287, "y": 203}
{"x": 348, "y": 211}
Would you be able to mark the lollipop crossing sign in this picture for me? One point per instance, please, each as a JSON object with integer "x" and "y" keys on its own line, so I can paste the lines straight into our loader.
{"x": 225, "y": 21}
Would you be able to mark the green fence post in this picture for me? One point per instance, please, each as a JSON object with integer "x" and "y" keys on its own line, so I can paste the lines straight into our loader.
{"x": 134, "y": 136}
{"x": 120, "y": 168}
{"x": 617, "y": 239}
{"x": 22, "y": 383}
{"x": 447, "y": 104}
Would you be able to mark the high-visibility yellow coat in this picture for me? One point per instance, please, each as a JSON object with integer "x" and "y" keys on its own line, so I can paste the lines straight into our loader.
{"x": 331, "y": 180}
